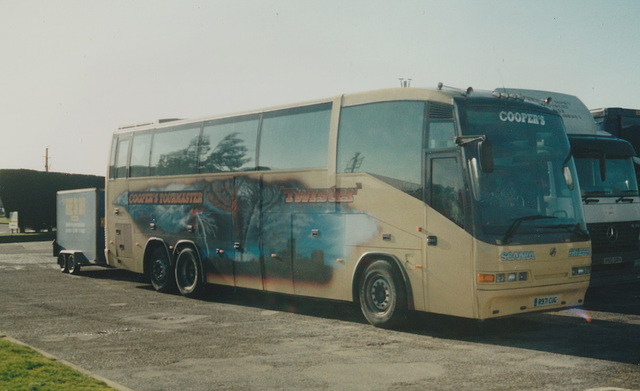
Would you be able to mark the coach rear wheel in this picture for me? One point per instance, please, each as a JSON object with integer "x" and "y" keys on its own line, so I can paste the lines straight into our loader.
{"x": 189, "y": 273}
{"x": 160, "y": 270}
{"x": 382, "y": 297}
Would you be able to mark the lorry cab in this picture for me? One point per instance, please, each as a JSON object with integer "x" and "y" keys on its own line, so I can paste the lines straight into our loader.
{"x": 608, "y": 184}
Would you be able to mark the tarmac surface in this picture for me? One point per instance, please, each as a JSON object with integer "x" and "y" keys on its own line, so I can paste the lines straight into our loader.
{"x": 111, "y": 323}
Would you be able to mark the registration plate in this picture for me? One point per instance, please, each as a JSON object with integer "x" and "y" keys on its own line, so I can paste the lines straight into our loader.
{"x": 612, "y": 260}
{"x": 543, "y": 301}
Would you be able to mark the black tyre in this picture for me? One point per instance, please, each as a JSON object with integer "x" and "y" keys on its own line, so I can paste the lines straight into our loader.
{"x": 62, "y": 262}
{"x": 72, "y": 265}
{"x": 160, "y": 271}
{"x": 189, "y": 278}
{"x": 383, "y": 298}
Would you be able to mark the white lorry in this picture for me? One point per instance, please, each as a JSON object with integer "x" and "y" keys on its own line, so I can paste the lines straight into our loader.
{"x": 607, "y": 179}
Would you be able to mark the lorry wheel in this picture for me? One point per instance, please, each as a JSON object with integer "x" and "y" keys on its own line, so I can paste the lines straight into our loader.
{"x": 160, "y": 271}
{"x": 62, "y": 262}
{"x": 72, "y": 265}
{"x": 189, "y": 273}
{"x": 382, "y": 297}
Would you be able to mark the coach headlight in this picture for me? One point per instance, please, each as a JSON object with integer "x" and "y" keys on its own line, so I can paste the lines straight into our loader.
{"x": 503, "y": 277}
{"x": 581, "y": 270}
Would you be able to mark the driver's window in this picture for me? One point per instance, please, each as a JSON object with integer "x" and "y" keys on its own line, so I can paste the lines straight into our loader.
{"x": 441, "y": 134}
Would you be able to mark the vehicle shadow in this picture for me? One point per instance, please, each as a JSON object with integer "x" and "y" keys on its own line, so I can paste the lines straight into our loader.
{"x": 241, "y": 296}
{"x": 621, "y": 299}
{"x": 561, "y": 333}
{"x": 109, "y": 273}
{"x": 602, "y": 329}
{"x": 571, "y": 332}
{"x": 320, "y": 308}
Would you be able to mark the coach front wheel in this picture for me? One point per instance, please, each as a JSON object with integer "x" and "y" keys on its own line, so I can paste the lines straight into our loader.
{"x": 383, "y": 299}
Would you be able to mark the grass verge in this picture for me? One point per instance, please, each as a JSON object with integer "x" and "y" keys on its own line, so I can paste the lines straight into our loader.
{"x": 22, "y": 368}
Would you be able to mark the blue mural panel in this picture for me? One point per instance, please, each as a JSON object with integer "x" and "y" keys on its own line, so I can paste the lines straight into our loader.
{"x": 239, "y": 215}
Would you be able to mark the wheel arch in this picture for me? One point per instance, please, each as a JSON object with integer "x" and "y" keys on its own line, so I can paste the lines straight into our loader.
{"x": 365, "y": 260}
{"x": 181, "y": 245}
{"x": 152, "y": 244}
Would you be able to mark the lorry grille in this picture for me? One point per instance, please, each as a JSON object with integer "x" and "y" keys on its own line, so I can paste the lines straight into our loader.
{"x": 606, "y": 237}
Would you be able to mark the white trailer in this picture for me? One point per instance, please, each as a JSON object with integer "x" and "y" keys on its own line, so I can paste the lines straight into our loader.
{"x": 80, "y": 229}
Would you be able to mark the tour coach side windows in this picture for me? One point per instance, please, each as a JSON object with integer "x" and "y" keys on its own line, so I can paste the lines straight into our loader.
{"x": 295, "y": 138}
{"x": 121, "y": 158}
{"x": 112, "y": 157}
{"x": 229, "y": 145}
{"x": 140, "y": 151}
{"x": 385, "y": 140}
{"x": 175, "y": 151}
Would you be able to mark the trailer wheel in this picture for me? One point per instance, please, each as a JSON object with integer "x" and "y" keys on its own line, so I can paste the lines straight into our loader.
{"x": 72, "y": 265}
{"x": 62, "y": 262}
{"x": 383, "y": 299}
{"x": 189, "y": 273}
{"x": 160, "y": 271}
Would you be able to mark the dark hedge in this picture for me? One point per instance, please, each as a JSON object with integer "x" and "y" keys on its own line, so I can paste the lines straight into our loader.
{"x": 33, "y": 194}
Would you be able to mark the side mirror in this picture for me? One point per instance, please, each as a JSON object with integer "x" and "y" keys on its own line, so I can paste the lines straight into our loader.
{"x": 485, "y": 153}
{"x": 568, "y": 178}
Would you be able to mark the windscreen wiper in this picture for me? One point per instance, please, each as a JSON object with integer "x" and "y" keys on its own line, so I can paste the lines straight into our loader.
{"x": 625, "y": 193}
{"x": 573, "y": 228}
{"x": 517, "y": 222}
{"x": 588, "y": 194}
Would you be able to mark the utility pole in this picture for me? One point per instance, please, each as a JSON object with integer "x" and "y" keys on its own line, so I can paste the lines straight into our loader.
{"x": 46, "y": 160}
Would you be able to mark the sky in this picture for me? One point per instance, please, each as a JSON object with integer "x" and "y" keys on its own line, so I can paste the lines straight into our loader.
{"x": 72, "y": 72}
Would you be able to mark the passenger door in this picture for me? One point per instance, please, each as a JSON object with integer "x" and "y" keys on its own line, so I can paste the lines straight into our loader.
{"x": 450, "y": 269}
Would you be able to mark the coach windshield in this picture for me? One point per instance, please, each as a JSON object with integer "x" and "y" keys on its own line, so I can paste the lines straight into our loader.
{"x": 529, "y": 196}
